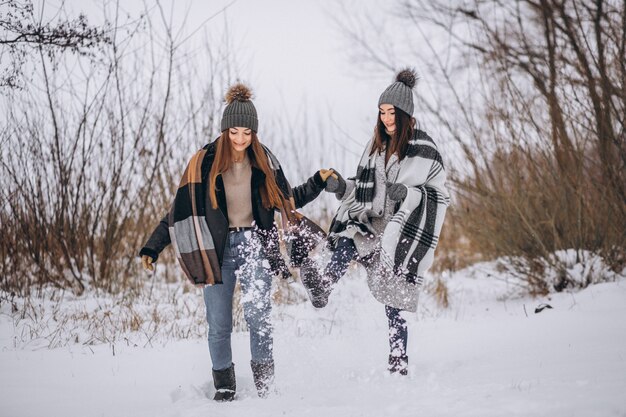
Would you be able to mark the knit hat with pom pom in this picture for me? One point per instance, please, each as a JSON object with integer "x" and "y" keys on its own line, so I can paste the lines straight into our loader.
{"x": 400, "y": 94}
{"x": 239, "y": 111}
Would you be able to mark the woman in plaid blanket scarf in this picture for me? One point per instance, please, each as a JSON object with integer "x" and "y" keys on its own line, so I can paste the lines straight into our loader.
{"x": 390, "y": 217}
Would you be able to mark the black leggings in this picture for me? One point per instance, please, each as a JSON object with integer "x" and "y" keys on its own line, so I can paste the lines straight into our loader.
{"x": 344, "y": 252}
{"x": 398, "y": 333}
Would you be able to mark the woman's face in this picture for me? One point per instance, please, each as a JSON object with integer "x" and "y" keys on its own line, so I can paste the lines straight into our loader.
{"x": 240, "y": 138}
{"x": 388, "y": 117}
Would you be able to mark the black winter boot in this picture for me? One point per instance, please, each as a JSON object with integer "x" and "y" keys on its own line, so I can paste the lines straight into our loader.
{"x": 317, "y": 286}
{"x": 399, "y": 364}
{"x": 225, "y": 385}
{"x": 263, "y": 373}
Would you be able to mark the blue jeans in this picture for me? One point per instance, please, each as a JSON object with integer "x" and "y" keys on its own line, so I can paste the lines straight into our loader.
{"x": 243, "y": 260}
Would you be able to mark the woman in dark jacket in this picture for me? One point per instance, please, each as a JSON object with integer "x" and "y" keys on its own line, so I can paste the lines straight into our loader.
{"x": 221, "y": 225}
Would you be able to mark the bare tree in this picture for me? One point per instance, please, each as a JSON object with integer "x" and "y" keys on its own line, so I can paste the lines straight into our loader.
{"x": 21, "y": 32}
{"x": 92, "y": 148}
{"x": 534, "y": 95}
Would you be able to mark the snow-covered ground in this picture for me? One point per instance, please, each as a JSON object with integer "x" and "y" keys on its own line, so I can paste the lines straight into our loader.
{"x": 488, "y": 354}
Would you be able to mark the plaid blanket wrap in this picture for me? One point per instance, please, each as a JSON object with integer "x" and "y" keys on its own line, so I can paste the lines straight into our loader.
{"x": 188, "y": 228}
{"x": 409, "y": 240}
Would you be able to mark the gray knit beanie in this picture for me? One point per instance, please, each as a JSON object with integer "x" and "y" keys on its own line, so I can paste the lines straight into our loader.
{"x": 400, "y": 94}
{"x": 239, "y": 111}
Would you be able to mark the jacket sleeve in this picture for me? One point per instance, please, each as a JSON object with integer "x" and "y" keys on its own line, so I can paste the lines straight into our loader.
{"x": 350, "y": 184}
{"x": 302, "y": 194}
{"x": 159, "y": 239}
{"x": 305, "y": 193}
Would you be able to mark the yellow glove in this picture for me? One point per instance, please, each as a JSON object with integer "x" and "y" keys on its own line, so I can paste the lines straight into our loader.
{"x": 325, "y": 173}
{"x": 146, "y": 262}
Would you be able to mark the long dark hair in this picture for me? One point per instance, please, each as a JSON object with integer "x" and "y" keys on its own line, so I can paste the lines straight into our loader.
{"x": 398, "y": 142}
{"x": 270, "y": 193}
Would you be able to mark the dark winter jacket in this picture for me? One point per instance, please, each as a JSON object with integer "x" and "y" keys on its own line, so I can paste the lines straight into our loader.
{"x": 217, "y": 219}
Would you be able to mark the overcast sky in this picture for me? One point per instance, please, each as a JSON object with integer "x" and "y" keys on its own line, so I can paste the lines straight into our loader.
{"x": 291, "y": 52}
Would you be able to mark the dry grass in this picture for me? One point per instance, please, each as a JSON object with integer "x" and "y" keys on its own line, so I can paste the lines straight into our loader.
{"x": 521, "y": 208}
{"x": 439, "y": 291}
{"x": 56, "y": 318}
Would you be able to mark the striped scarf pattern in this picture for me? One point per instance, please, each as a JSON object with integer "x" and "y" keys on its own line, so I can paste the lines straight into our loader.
{"x": 410, "y": 238}
{"x": 189, "y": 231}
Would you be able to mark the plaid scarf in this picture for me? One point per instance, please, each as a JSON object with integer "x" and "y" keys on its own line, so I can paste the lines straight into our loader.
{"x": 188, "y": 228}
{"x": 409, "y": 240}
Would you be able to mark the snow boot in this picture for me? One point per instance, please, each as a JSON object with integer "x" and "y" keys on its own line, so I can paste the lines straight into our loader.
{"x": 399, "y": 364}
{"x": 225, "y": 385}
{"x": 263, "y": 373}
{"x": 317, "y": 286}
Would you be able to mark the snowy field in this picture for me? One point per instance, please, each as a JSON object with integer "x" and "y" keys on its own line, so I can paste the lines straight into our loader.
{"x": 488, "y": 354}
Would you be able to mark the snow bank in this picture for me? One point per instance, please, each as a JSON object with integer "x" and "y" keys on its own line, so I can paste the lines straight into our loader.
{"x": 488, "y": 354}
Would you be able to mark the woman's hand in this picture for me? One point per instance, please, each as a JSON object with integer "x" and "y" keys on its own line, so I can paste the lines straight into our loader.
{"x": 325, "y": 173}
{"x": 146, "y": 262}
{"x": 335, "y": 182}
{"x": 396, "y": 191}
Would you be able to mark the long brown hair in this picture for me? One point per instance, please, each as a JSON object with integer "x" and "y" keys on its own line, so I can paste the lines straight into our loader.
{"x": 398, "y": 142}
{"x": 270, "y": 193}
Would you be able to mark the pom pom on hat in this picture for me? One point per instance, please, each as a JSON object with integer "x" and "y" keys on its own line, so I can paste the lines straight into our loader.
{"x": 407, "y": 77}
{"x": 238, "y": 92}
